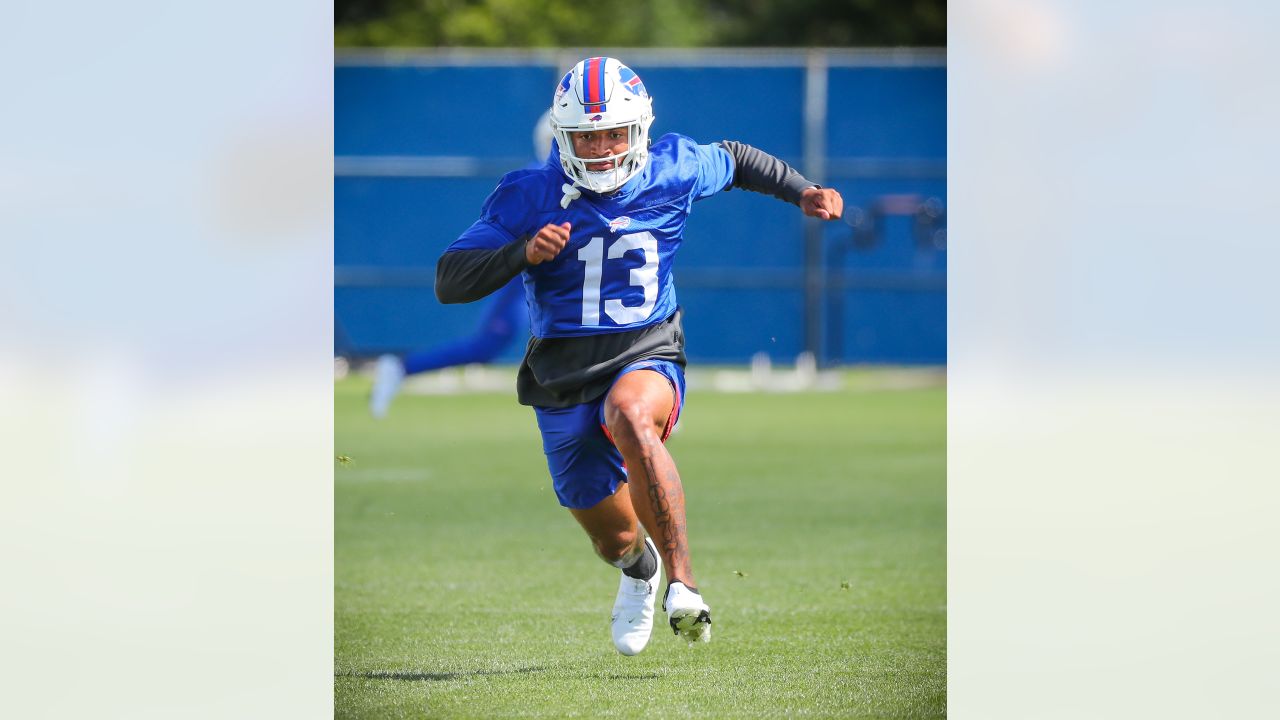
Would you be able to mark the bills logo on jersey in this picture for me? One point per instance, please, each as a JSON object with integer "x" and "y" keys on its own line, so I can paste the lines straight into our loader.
{"x": 620, "y": 223}
{"x": 631, "y": 81}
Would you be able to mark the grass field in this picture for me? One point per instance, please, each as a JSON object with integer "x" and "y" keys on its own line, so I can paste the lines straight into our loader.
{"x": 816, "y": 523}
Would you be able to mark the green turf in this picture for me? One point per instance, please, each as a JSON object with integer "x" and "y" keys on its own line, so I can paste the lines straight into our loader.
{"x": 817, "y": 529}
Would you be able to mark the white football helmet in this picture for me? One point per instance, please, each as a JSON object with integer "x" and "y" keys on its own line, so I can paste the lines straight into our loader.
{"x": 601, "y": 93}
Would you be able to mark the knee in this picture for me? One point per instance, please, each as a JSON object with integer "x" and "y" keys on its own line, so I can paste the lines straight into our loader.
{"x": 631, "y": 421}
{"x": 615, "y": 545}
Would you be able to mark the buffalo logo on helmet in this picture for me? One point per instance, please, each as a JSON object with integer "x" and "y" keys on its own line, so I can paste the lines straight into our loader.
{"x": 564, "y": 85}
{"x": 631, "y": 81}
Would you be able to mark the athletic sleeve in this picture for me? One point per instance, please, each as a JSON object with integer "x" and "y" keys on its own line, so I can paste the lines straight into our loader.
{"x": 490, "y": 252}
{"x": 715, "y": 170}
{"x": 758, "y": 171}
{"x": 468, "y": 275}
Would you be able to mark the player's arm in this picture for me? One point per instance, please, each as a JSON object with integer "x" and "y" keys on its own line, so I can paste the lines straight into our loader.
{"x": 758, "y": 171}
{"x": 468, "y": 275}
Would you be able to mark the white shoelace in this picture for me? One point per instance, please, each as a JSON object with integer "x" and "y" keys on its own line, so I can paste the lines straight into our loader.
{"x": 571, "y": 193}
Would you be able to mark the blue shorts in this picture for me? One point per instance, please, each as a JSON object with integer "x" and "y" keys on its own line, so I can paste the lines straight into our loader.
{"x": 585, "y": 465}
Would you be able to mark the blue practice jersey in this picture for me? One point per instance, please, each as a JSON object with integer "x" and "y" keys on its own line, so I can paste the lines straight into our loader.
{"x": 615, "y": 272}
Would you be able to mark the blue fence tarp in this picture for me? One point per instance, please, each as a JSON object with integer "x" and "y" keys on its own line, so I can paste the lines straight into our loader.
{"x": 420, "y": 145}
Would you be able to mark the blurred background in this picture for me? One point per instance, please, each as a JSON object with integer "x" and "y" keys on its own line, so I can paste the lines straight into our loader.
{"x": 853, "y": 94}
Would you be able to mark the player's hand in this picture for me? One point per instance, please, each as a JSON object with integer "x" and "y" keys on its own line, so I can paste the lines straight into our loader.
{"x": 547, "y": 244}
{"x": 822, "y": 203}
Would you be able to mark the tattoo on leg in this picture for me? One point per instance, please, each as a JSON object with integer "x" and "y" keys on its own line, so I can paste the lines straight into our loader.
{"x": 671, "y": 525}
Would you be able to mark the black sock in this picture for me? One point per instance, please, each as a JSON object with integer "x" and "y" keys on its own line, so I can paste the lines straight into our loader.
{"x": 643, "y": 568}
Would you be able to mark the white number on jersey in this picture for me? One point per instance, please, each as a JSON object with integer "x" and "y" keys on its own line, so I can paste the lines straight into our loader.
{"x": 644, "y": 277}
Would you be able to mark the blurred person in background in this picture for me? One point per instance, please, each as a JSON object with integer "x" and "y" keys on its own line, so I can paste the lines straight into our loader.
{"x": 593, "y": 233}
{"x": 504, "y": 316}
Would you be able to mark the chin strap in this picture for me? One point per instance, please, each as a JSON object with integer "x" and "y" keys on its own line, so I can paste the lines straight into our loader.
{"x": 571, "y": 193}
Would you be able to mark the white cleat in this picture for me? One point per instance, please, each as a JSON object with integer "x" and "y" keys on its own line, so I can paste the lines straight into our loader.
{"x": 632, "y": 619}
{"x": 689, "y": 616}
{"x": 387, "y": 376}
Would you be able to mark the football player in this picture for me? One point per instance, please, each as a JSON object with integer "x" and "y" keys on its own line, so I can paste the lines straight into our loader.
{"x": 593, "y": 234}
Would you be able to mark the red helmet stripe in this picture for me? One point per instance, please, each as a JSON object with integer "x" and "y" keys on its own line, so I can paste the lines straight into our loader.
{"x": 593, "y": 81}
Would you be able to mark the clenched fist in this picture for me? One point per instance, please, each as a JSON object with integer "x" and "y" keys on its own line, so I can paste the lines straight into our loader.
{"x": 547, "y": 244}
{"x": 822, "y": 203}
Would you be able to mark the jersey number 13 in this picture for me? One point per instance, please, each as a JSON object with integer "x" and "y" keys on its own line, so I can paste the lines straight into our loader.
{"x": 644, "y": 277}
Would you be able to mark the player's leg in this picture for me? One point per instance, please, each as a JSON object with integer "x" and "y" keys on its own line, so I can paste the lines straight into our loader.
{"x": 640, "y": 411}
{"x": 589, "y": 481}
{"x": 636, "y": 412}
{"x": 388, "y": 373}
{"x": 615, "y": 532}
{"x": 502, "y": 317}
{"x": 498, "y": 325}
{"x": 612, "y": 526}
